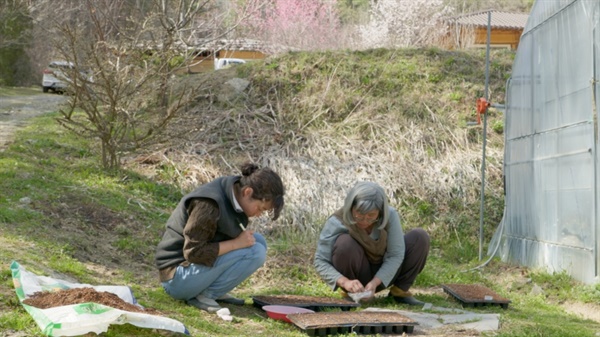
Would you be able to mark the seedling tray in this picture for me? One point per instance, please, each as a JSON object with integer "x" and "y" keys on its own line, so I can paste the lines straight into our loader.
{"x": 359, "y": 322}
{"x": 475, "y": 295}
{"x": 314, "y": 303}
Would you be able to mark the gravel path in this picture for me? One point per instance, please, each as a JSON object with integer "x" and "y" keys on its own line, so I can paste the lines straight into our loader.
{"x": 15, "y": 110}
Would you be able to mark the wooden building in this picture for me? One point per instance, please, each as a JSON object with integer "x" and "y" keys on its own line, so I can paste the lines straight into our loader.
{"x": 205, "y": 53}
{"x": 470, "y": 30}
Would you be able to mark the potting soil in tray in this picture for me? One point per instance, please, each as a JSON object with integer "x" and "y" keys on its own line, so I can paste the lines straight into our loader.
{"x": 360, "y": 322}
{"x": 310, "y": 302}
{"x": 475, "y": 295}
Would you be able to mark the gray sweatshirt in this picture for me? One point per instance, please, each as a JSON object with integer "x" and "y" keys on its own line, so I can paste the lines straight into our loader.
{"x": 392, "y": 259}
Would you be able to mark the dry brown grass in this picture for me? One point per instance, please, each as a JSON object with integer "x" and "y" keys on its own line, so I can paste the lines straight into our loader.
{"x": 295, "y": 117}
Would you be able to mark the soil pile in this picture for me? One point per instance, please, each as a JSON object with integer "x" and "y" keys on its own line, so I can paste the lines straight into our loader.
{"x": 45, "y": 300}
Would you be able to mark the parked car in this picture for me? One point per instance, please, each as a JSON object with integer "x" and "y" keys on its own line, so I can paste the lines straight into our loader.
{"x": 227, "y": 62}
{"x": 56, "y": 76}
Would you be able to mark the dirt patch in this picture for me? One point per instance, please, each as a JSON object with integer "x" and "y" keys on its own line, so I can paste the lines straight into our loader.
{"x": 448, "y": 331}
{"x": 46, "y": 299}
{"x": 95, "y": 231}
{"x": 585, "y": 310}
{"x": 16, "y": 110}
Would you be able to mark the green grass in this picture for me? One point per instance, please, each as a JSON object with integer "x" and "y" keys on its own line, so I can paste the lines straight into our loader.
{"x": 30, "y": 237}
{"x": 61, "y": 214}
{"x": 19, "y": 91}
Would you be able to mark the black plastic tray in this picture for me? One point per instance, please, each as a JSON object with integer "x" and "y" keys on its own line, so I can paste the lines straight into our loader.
{"x": 472, "y": 302}
{"x": 358, "y": 322}
{"x": 309, "y": 302}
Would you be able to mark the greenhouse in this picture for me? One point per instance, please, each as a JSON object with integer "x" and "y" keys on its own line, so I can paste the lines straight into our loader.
{"x": 551, "y": 162}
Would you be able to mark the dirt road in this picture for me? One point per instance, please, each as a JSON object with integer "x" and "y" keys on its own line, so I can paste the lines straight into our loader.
{"x": 16, "y": 110}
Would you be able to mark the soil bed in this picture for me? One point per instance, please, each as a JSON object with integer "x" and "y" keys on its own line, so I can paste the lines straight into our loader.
{"x": 312, "y": 302}
{"x": 46, "y": 299}
{"x": 362, "y": 322}
{"x": 475, "y": 294}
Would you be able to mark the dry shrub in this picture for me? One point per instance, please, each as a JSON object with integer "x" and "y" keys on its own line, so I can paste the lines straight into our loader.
{"x": 320, "y": 152}
{"x": 319, "y": 169}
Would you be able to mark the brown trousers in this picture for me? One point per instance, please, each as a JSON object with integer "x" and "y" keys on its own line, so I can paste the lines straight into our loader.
{"x": 349, "y": 258}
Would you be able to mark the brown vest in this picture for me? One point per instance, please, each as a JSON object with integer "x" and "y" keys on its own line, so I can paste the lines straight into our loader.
{"x": 375, "y": 249}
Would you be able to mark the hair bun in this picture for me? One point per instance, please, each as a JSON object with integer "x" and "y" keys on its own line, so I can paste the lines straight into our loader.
{"x": 249, "y": 168}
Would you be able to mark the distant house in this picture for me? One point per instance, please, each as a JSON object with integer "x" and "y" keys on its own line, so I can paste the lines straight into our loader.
{"x": 470, "y": 30}
{"x": 205, "y": 52}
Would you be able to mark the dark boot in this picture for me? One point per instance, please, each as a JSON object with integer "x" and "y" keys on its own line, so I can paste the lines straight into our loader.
{"x": 229, "y": 299}
{"x": 408, "y": 300}
{"x": 404, "y": 297}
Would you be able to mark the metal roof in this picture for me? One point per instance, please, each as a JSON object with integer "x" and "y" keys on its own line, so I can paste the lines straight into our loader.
{"x": 502, "y": 20}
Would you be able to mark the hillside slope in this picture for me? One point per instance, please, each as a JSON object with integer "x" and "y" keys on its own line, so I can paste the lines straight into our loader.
{"x": 325, "y": 120}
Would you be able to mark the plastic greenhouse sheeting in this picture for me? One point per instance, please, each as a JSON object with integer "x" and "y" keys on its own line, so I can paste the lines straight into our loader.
{"x": 80, "y": 319}
{"x": 551, "y": 136}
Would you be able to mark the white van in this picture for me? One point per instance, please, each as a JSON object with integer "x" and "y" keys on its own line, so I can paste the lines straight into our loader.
{"x": 227, "y": 62}
{"x": 55, "y": 76}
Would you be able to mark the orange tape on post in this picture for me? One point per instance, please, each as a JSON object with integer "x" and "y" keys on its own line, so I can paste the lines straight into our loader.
{"x": 482, "y": 105}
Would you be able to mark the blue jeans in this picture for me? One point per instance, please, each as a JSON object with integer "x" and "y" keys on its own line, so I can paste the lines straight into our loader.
{"x": 228, "y": 271}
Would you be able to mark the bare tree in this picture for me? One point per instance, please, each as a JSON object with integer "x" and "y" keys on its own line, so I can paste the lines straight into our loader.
{"x": 125, "y": 58}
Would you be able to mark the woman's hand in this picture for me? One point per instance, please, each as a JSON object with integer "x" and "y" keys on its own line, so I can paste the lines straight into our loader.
{"x": 372, "y": 286}
{"x": 351, "y": 286}
{"x": 245, "y": 239}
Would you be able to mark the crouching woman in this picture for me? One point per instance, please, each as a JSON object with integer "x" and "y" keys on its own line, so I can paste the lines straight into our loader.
{"x": 206, "y": 250}
{"x": 362, "y": 247}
